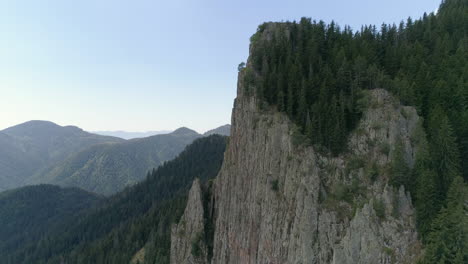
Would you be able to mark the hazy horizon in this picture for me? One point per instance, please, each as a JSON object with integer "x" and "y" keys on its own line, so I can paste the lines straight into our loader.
{"x": 146, "y": 65}
{"x": 144, "y": 133}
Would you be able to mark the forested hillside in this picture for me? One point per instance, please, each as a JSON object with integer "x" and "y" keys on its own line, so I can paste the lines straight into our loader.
{"x": 35, "y": 145}
{"x": 15, "y": 164}
{"x": 109, "y": 168}
{"x": 137, "y": 218}
{"x": 222, "y": 130}
{"x": 317, "y": 74}
{"x": 27, "y": 213}
{"x": 314, "y": 72}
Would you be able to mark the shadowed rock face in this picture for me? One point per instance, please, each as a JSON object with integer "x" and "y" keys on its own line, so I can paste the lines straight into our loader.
{"x": 276, "y": 202}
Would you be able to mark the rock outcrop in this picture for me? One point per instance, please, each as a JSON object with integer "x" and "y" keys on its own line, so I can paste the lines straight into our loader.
{"x": 139, "y": 257}
{"x": 187, "y": 237}
{"x": 279, "y": 201}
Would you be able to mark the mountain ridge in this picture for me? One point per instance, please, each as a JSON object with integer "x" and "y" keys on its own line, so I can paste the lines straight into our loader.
{"x": 108, "y": 168}
{"x": 69, "y": 156}
{"x": 224, "y": 130}
{"x": 145, "y": 210}
{"x": 131, "y": 134}
{"x": 35, "y": 145}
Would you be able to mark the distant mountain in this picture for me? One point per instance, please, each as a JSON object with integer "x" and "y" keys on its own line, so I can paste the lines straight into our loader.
{"x": 135, "y": 220}
{"x": 222, "y": 130}
{"x": 41, "y": 152}
{"x": 15, "y": 162}
{"x": 131, "y": 135}
{"x": 108, "y": 168}
{"x": 35, "y": 145}
{"x": 29, "y": 212}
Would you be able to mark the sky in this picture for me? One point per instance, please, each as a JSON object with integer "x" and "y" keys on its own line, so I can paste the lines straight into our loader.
{"x": 141, "y": 65}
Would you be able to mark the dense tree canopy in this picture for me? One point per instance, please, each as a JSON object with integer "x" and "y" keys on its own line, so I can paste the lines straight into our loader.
{"x": 27, "y": 213}
{"x": 138, "y": 217}
{"x": 314, "y": 72}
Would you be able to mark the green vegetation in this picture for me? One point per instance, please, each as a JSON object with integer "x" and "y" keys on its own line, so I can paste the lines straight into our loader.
{"x": 384, "y": 148}
{"x": 390, "y": 252}
{"x": 355, "y": 163}
{"x": 372, "y": 172}
{"x": 316, "y": 72}
{"x": 347, "y": 192}
{"x": 448, "y": 240}
{"x": 346, "y": 198}
{"x": 379, "y": 208}
{"x": 241, "y": 66}
{"x": 71, "y": 157}
{"x": 140, "y": 216}
{"x": 318, "y": 75}
{"x": 429, "y": 203}
{"x": 26, "y": 213}
{"x": 396, "y": 204}
{"x": 46, "y": 144}
{"x": 400, "y": 171}
{"x": 298, "y": 138}
{"x": 275, "y": 185}
{"x": 208, "y": 219}
{"x": 196, "y": 245}
{"x": 109, "y": 168}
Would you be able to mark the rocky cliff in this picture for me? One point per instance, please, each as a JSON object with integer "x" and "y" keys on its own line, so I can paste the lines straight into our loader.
{"x": 187, "y": 243}
{"x": 279, "y": 200}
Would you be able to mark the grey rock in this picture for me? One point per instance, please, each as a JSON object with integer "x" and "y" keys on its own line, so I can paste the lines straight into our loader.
{"x": 275, "y": 202}
{"x": 189, "y": 232}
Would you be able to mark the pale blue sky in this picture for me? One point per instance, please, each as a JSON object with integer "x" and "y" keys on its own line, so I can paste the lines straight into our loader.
{"x": 142, "y": 65}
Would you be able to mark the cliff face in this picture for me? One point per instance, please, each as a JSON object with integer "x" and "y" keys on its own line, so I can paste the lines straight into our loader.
{"x": 187, "y": 245}
{"x": 277, "y": 200}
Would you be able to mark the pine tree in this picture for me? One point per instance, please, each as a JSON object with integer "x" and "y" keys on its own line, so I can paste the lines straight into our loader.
{"x": 428, "y": 201}
{"x": 400, "y": 169}
{"x": 448, "y": 242}
{"x": 444, "y": 149}
{"x": 302, "y": 107}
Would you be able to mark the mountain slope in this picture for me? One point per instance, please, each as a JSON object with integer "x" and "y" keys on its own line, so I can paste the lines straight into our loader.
{"x": 29, "y": 212}
{"x": 53, "y": 142}
{"x": 108, "y": 168}
{"x": 34, "y": 145}
{"x": 138, "y": 217}
{"x": 131, "y": 135}
{"x": 15, "y": 163}
{"x": 222, "y": 130}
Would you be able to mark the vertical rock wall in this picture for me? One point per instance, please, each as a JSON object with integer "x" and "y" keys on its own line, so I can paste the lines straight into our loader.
{"x": 187, "y": 243}
{"x": 276, "y": 202}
